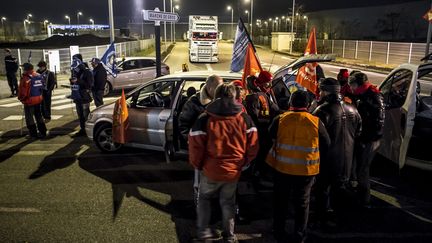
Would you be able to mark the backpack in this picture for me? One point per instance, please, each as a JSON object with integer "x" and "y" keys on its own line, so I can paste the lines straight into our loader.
{"x": 37, "y": 84}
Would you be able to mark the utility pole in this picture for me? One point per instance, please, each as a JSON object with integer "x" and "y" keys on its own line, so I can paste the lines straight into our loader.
{"x": 111, "y": 20}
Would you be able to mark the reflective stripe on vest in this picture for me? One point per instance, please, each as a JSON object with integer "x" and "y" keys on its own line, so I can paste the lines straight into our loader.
{"x": 296, "y": 151}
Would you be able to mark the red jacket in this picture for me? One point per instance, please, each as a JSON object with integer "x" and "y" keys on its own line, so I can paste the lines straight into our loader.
{"x": 24, "y": 90}
{"x": 222, "y": 141}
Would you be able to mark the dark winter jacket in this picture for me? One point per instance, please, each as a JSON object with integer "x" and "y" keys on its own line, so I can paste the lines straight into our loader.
{"x": 100, "y": 77}
{"x": 370, "y": 105}
{"x": 193, "y": 107}
{"x": 254, "y": 108}
{"x": 222, "y": 141}
{"x": 85, "y": 81}
{"x": 11, "y": 64}
{"x": 50, "y": 79}
{"x": 343, "y": 124}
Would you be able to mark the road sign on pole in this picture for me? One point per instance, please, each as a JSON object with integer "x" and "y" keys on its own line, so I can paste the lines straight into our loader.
{"x": 151, "y": 15}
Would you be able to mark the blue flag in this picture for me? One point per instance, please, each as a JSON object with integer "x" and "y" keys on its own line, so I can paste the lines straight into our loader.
{"x": 239, "y": 50}
{"x": 109, "y": 62}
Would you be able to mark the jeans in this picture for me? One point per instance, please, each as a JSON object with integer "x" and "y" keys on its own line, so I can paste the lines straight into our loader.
{"x": 301, "y": 188}
{"x": 226, "y": 192}
{"x": 32, "y": 113}
{"x": 365, "y": 152}
{"x": 46, "y": 104}
{"x": 13, "y": 82}
{"x": 98, "y": 97}
{"x": 83, "y": 110}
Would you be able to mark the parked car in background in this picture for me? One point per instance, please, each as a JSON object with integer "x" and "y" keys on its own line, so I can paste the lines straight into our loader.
{"x": 154, "y": 108}
{"x": 134, "y": 71}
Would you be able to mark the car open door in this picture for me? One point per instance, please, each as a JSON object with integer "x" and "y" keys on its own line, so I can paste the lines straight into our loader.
{"x": 399, "y": 91}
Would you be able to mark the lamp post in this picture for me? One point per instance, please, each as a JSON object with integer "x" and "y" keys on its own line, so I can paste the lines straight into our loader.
{"x": 176, "y": 7}
{"x": 45, "y": 23}
{"x": 247, "y": 12}
{"x": 68, "y": 18}
{"x": 29, "y": 16}
{"x": 232, "y": 20}
{"x": 306, "y": 25}
{"x": 92, "y": 22}
{"x": 78, "y": 14}
{"x": 251, "y": 16}
{"x": 142, "y": 24}
{"x": 3, "y": 19}
{"x": 270, "y": 20}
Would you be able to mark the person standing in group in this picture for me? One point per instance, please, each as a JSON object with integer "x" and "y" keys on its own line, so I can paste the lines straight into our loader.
{"x": 261, "y": 105}
{"x": 370, "y": 104}
{"x": 221, "y": 142}
{"x": 343, "y": 123}
{"x": 50, "y": 82}
{"x": 345, "y": 89}
{"x": 81, "y": 82}
{"x": 100, "y": 79}
{"x": 298, "y": 139}
{"x": 30, "y": 94}
{"x": 196, "y": 104}
{"x": 11, "y": 65}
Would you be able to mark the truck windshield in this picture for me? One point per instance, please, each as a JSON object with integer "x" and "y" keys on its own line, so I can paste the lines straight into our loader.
{"x": 204, "y": 36}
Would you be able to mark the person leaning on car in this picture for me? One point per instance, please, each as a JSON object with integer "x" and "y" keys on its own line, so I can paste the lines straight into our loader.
{"x": 100, "y": 78}
{"x": 196, "y": 104}
{"x": 343, "y": 124}
{"x": 370, "y": 105}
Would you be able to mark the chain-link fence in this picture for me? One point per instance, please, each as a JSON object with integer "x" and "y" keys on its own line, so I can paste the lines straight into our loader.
{"x": 36, "y": 55}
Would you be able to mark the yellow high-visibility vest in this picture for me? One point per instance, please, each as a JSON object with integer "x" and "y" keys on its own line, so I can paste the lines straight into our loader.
{"x": 296, "y": 150}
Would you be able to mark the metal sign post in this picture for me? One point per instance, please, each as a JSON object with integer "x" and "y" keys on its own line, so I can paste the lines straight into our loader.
{"x": 158, "y": 16}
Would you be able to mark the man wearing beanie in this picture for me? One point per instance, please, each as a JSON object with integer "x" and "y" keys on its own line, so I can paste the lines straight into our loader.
{"x": 343, "y": 123}
{"x": 370, "y": 105}
{"x": 298, "y": 139}
{"x": 345, "y": 89}
{"x": 100, "y": 79}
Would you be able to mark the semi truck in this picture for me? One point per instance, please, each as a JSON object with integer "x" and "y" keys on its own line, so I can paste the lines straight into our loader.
{"x": 203, "y": 38}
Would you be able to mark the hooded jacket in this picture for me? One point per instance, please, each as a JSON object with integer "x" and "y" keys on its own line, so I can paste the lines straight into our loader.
{"x": 100, "y": 77}
{"x": 222, "y": 141}
{"x": 193, "y": 107}
{"x": 343, "y": 124}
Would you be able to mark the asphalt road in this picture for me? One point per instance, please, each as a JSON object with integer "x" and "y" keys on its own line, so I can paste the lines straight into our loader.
{"x": 63, "y": 189}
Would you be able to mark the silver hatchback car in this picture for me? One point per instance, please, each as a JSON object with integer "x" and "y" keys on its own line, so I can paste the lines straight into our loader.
{"x": 134, "y": 71}
{"x": 154, "y": 108}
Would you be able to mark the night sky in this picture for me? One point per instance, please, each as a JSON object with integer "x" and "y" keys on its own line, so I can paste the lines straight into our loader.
{"x": 129, "y": 10}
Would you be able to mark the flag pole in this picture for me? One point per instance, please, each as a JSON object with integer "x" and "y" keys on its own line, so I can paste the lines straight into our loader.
{"x": 247, "y": 34}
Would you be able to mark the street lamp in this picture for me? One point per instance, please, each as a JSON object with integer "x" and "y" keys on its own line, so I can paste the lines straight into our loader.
{"x": 232, "y": 20}
{"x": 3, "y": 19}
{"x": 45, "y": 24}
{"x": 306, "y": 25}
{"x": 91, "y": 21}
{"x": 79, "y": 14}
{"x": 68, "y": 18}
{"x": 176, "y": 7}
{"x": 251, "y": 16}
{"x": 29, "y": 16}
{"x": 247, "y": 12}
{"x": 26, "y": 21}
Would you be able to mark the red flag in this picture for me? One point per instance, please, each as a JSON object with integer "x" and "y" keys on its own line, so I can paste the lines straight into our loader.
{"x": 252, "y": 65}
{"x": 428, "y": 15}
{"x": 306, "y": 75}
{"x": 120, "y": 120}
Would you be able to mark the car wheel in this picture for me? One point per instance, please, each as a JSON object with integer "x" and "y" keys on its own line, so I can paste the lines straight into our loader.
{"x": 107, "y": 88}
{"x": 103, "y": 139}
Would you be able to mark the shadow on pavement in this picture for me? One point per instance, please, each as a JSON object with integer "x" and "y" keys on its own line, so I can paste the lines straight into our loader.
{"x": 9, "y": 152}
{"x": 63, "y": 157}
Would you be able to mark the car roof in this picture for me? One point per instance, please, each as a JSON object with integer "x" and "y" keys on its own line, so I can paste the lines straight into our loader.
{"x": 135, "y": 58}
{"x": 302, "y": 60}
{"x": 202, "y": 74}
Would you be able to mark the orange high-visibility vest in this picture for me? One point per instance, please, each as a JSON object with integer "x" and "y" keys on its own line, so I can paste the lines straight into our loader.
{"x": 296, "y": 150}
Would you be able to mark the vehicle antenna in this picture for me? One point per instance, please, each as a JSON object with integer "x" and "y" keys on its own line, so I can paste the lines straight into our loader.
{"x": 274, "y": 54}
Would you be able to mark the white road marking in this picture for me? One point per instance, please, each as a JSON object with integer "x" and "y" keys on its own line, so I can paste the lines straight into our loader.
{"x": 61, "y": 107}
{"x": 14, "y": 102}
{"x": 56, "y": 117}
{"x": 17, "y": 103}
{"x": 19, "y": 210}
{"x": 13, "y": 118}
{"x": 56, "y": 102}
{"x": 286, "y": 58}
{"x": 209, "y": 68}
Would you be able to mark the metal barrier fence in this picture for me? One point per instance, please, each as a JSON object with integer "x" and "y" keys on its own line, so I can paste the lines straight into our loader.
{"x": 393, "y": 53}
{"x": 88, "y": 52}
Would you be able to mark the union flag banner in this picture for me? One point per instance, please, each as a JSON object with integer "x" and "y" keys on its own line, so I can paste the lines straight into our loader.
{"x": 252, "y": 65}
{"x": 428, "y": 15}
{"x": 120, "y": 120}
{"x": 306, "y": 75}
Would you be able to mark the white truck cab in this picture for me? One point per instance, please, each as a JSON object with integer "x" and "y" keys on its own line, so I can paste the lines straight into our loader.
{"x": 203, "y": 38}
